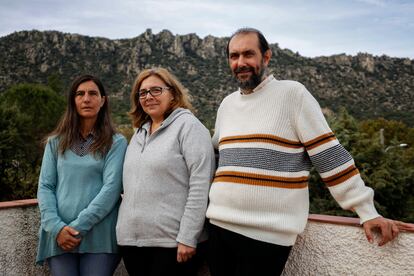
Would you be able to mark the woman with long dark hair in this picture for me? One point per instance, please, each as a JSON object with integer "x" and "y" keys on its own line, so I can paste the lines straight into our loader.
{"x": 80, "y": 185}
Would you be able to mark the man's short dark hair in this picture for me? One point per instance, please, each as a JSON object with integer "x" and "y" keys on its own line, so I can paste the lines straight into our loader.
{"x": 263, "y": 44}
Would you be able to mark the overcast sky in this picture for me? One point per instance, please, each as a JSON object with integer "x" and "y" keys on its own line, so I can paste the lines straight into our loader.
{"x": 312, "y": 28}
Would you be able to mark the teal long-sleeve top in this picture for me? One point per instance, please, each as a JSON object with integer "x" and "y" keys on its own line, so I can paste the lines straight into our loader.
{"x": 83, "y": 193}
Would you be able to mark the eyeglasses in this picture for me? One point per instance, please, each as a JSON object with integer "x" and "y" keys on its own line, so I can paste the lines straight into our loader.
{"x": 154, "y": 91}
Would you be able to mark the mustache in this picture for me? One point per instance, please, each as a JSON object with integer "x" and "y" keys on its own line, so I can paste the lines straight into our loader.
{"x": 243, "y": 69}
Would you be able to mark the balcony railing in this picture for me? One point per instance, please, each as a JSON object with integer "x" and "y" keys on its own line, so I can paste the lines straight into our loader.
{"x": 328, "y": 246}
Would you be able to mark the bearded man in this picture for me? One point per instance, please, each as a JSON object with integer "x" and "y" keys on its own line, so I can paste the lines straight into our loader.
{"x": 269, "y": 133}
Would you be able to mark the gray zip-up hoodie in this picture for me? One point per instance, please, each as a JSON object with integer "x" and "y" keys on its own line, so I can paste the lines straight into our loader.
{"x": 166, "y": 180}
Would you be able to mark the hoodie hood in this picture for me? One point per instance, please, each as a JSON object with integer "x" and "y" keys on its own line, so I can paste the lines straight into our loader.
{"x": 178, "y": 112}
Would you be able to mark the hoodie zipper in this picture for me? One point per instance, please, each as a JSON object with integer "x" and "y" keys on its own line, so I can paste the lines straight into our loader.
{"x": 165, "y": 123}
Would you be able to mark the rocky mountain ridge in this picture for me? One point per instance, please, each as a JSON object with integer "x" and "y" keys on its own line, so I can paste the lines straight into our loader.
{"x": 368, "y": 86}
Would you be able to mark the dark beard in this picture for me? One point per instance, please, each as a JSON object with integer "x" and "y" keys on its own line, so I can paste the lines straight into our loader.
{"x": 253, "y": 81}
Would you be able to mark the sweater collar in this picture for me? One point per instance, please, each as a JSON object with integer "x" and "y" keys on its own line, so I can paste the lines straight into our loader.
{"x": 263, "y": 83}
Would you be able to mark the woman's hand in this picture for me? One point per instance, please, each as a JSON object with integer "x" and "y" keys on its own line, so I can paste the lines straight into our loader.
{"x": 184, "y": 252}
{"x": 66, "y": 238}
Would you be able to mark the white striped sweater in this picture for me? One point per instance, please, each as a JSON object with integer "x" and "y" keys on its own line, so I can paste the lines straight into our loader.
{"x": 268, "y": 140}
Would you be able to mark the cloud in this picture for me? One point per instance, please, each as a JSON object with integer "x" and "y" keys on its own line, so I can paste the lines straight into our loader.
{"x": 310, "y": 27}
{"x": 379, "y": 3}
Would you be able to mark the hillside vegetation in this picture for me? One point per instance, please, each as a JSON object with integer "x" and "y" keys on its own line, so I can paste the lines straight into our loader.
{"x": 368, "y": 86}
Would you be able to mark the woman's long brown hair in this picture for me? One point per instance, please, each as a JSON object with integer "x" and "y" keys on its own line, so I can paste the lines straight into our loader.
{"x": 68, "y": 128}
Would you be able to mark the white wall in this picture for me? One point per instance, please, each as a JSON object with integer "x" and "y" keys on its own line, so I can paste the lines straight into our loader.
{"x": 18, "y": 228}
{"x": 323, "y": 249}
{"x": 330, "y": 249}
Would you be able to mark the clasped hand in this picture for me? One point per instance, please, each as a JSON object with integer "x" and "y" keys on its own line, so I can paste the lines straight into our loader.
{"x": 184, "y": 252}
{"x": 66, "y": 239}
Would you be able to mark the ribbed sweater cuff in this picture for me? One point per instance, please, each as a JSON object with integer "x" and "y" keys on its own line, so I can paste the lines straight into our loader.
{"x": 366, "y": 211}
{"x": 188, "y": 242}
{"x": 57, "y": 229}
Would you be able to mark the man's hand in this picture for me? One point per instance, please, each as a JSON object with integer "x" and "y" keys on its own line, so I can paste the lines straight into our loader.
{"x": 388, "y": 228}
{"x": 403, "y": 226}
{"x": 184, "y": 252}
{"x": 66, "y": 238}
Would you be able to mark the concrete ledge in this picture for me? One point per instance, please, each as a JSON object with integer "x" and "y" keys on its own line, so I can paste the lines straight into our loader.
{"x": 329, "y": 245}
{"x": 334, "y": 220}
{"x": 18, "y": 203}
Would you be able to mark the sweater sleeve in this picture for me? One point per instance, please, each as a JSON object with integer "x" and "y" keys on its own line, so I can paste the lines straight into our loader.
{"x": 198, "y": 153}
{"x": 110, "y": 192}
{"x": 46, "y": 192}
{"x": 216, "y": 135}
{"x": 332, "y": 161}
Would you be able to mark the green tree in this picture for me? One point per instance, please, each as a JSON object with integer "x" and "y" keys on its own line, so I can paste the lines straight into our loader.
{"x": 390, "y": 169}
{"x": 27, "y": 113}
{"x": 54, "y": 81}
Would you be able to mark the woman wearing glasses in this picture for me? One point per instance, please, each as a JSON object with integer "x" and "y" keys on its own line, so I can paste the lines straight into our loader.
{"x": 167, "y": 172}
{"x": 80, "y": 186}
